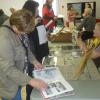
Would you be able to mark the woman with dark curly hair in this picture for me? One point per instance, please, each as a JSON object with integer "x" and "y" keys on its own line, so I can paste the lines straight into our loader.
{"x": 37, "y": 39}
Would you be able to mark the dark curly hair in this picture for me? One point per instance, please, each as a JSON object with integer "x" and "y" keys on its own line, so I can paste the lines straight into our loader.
{"x": 31, "y": 6}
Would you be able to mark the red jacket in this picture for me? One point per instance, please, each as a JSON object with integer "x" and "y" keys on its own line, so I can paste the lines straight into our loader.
{"x": 48, "y": 14}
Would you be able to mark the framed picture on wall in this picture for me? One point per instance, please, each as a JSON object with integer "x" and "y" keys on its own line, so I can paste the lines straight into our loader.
{"x": 77, "y": 7}
{"x": 92, "y": 6}
{"x": 89, "y": 5}
{"x": 80, "y": 6}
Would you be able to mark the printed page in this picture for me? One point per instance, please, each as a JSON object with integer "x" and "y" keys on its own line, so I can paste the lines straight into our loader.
{"x": 57, "y": 88}
{"x": 57, "y": 85}
{"x": 49, "y": 74}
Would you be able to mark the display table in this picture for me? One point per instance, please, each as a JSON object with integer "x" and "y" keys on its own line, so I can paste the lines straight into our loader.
{"x": 84, "y": 90}
{"x": 67, "y": 62}
{"x": 88, "y": 85}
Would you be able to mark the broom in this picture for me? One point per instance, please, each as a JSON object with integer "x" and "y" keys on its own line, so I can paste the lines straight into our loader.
{"x": 84, "y": 60}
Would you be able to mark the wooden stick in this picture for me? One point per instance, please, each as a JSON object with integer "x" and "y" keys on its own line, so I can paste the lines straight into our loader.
{"x": 83, "y": 62}
{"x": 84, "y": 59}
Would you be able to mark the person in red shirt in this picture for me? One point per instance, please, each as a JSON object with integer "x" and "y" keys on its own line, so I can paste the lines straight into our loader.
{"x": 48, "y": 15}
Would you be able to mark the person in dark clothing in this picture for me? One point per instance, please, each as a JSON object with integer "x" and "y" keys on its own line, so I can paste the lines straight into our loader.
{"x": 3, "y": 17}
{"x": 37, "y": 38}
{"x": 31, "y": 5}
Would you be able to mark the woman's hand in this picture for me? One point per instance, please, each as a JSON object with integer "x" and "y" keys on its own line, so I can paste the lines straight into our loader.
{"x": 37, "y": 65}
{"x": 37, "y": 83}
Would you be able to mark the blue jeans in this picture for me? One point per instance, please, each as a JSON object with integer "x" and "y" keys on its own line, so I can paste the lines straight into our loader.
{"x": 17, "y": 97}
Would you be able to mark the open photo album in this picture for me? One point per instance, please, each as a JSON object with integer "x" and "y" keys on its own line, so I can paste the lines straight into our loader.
{"x": 57, "y": 85}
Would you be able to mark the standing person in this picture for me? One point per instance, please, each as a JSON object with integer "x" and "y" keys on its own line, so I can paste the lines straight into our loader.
{"x": 88, "y": 24}
{"x": 37, "y": 38}
{"x": 71, "y": 14}
{"x": 48, "y": 15}
{"x": 13, "y": 56}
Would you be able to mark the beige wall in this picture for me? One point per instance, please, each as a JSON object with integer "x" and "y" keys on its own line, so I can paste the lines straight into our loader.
{"x": 6, "y": 4}
{"x": 17, "y": 4}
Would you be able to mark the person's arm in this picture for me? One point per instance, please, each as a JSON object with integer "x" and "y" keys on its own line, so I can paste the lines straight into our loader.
{"x": 8, "y": 66}
{"x": 33, "y": 60}
{"x": 37, "y": 83}
{"x": 7, "y": 62}
{"x": 79, "y": 28}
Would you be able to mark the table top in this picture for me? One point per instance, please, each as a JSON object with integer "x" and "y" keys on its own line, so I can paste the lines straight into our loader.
{"x": 88, "y": 85}
{"x": 84, "y": 90}
{"x": 67, "y": 57}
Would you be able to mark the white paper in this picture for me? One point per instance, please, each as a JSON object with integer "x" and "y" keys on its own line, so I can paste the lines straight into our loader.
{"x": 42, "y": 34}
{"x": 56, "y": 83}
